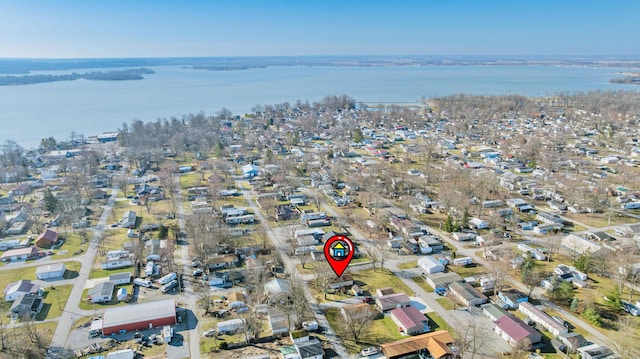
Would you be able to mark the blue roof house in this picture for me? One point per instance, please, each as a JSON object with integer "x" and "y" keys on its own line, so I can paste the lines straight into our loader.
{"x": 250, "y": 170}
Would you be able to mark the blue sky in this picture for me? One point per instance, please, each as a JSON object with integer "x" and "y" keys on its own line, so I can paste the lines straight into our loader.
{"x": 63, "y": 28}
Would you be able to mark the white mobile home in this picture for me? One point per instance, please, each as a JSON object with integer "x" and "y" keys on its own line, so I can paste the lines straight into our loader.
{"x": 51, "y": 271}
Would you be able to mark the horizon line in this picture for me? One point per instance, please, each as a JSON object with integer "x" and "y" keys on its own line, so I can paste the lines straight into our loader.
{"x": 512, "y": 56}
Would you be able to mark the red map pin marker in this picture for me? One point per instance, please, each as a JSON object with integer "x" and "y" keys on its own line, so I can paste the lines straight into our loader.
{"x": 339, "y": 250}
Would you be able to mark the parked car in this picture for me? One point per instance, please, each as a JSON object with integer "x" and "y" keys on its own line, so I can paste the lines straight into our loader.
{"x": 210, "y": 333}
{"x": 369, "y": 351}
{"x": 198, "y": 272}
{"x": 367, "y": 300}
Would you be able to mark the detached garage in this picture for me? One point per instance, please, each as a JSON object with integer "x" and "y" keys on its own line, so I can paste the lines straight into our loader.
{"x": 51, "y": 271}
{"x": 430, "y": 265}
{"x": 139, "y": 316}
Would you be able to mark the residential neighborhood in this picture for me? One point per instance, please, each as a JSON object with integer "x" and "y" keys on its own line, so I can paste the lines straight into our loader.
{"x": 485, "y": 231}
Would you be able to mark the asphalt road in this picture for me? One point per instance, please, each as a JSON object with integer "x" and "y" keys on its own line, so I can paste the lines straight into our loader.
{"x": 72, "y": 310}
{"x": 279, "y": 242}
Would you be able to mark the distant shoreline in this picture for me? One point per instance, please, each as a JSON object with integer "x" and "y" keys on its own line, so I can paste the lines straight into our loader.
{"x": 25, "y": 67}
{"x": 115, "y": 75}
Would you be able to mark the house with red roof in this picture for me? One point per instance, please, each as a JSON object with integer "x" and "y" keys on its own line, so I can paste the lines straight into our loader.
{"x": 47, "y": 239}
{"x": 410, "y": 320}
{"x": 516, "y": 332}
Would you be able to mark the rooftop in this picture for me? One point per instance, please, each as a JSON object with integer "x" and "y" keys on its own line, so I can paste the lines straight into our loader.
{"x": 514, "y": 327}
{"x": 409, "y": 316}
{"x": 139, "y": 312}
{"x": 435, "y": 342}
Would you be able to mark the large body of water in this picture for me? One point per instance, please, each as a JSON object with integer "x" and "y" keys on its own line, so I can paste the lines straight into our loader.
{"x": 31, "y": 112}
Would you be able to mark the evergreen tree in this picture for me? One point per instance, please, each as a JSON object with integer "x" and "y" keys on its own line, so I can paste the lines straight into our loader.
{"x": 592, "y": 316}
{"x": 584, "y": 262}
{"x": 448, "y": 224}
{"x": 357, "y": 136}
{"x": 50, "y": 201}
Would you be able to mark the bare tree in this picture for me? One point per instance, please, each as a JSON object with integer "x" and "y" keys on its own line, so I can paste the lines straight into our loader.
{"x": 357, "y": 320}
{"x": 204, "y": 298}
{"x": 323, "y": 275}
{"x": 498, "y": 271}
{"x": 472, "y": 338}
{"x": 626, "y": 342}
{"x": 373, "y": 256}
{"x": 304, "y": 257}
{"x": 297, "y": 307}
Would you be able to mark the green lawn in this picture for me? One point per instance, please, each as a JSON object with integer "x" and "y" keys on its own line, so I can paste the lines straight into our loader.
{"x": 598, "y": 219}
{"x": 13, "y": 275}
{"x": 445, "y": 303}
{"x": 467, "y": 271}
{"x": 408, "y": 265}
{"x": 369, "y": 281}
{"x": 87, "y": 305}
{"x": 421, "y": 282}
{"x": 191, "y": 179}
{"x": 101, "y": 273}
{"x": 72, "y": 246}
{"x": 54, "y": 302}
{"x": 436, "y": 322}
{"x": 381, "y": 331}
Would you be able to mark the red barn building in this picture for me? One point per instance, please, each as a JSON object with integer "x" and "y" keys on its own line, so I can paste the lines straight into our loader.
{"x": 47, "y": 239}
{"x": 139, "y": 316}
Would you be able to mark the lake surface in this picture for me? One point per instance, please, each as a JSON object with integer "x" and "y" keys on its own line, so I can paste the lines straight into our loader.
{"x": 31, "y": 112}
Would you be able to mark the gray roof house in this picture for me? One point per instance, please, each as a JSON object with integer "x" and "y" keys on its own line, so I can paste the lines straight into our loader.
{"x": 467, "y": 294}
{"x": 102, "y": 292}
{"x": 27, "y": 305}
{"x": 391, "y": 301}
{"x": 310, "y": 349}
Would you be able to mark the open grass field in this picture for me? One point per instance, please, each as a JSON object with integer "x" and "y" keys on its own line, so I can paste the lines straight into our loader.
{"x": 192, "y": 179}
{"x": 369, "y": 281}
{"x": 73, "y": 245}
{"x": 599, "y": 219}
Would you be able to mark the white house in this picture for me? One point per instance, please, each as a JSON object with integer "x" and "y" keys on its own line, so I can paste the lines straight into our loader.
{"x": 231, "y": 326}
{"x": 120, "y": 278}
{"x": 478, "y": 223}
{"x": 21, "y": 287}
{"x": 128, "y": 219}
{"x": 430, "y": 265}
{"x": 101, "y": 293}
{"x": 542, "y": 318}
{"x": 51, "y": 271}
